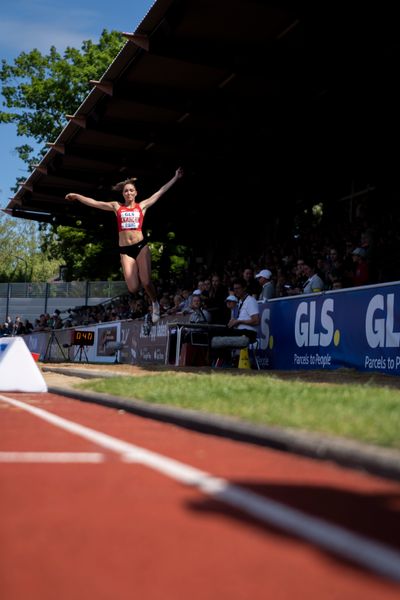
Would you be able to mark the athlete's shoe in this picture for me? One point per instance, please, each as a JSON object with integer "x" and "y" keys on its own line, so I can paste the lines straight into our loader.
{"x": 155, "y": 317}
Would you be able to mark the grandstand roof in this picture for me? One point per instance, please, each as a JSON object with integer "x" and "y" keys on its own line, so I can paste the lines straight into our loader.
{"x": 264, "y": 103}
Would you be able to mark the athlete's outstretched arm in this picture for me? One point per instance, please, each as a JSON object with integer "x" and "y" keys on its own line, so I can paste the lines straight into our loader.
{"x": 154, "y": 197}
{"x": 92, "y": 202}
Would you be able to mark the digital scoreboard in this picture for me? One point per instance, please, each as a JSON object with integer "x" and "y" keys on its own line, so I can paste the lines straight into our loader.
{"x": 83, "y": 338}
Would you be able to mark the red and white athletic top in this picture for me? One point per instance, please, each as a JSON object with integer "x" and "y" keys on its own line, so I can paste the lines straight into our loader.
{"x": 130, "y": 218}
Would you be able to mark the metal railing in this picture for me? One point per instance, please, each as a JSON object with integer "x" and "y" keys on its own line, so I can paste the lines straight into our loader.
{"x": 16, "y": 293}
{"x": 63, "y": 289}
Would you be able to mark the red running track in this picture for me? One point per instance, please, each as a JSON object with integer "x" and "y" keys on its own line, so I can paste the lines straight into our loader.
{"x": 116, "y": 530}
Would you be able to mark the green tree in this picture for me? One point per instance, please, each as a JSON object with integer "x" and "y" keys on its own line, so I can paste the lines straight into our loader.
{"x": 21, "y": 257}
{"x": 84, "y": 252}
{"x": 39, "y": 90}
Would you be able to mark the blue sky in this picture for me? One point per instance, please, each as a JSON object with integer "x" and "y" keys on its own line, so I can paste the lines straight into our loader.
{"x": 28, "y": 24}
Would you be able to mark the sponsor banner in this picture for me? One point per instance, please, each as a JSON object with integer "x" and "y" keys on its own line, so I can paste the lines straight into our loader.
{"x": 142, "y": 345}
{"x": 128, "y": 342}
{"x": 107, "y": 338}
{"x": 51, "y": 346}
{"x": 357, "y": 328}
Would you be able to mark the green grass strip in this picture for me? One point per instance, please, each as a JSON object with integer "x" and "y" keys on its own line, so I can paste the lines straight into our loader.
{"x": 360, "y": 412}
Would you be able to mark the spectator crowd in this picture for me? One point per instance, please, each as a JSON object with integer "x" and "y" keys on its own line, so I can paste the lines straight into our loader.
{"x": 316, "y": 260}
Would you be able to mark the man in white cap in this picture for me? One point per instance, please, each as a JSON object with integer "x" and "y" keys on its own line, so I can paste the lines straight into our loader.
{"x": 268, "y": 286}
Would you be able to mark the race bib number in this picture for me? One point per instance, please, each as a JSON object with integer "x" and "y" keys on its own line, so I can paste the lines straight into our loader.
{"x": 130, "y": 219}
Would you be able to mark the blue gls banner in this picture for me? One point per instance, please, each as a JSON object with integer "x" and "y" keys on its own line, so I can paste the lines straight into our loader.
{"x": 357, "y": 328}
{"x": 3, "y": 347}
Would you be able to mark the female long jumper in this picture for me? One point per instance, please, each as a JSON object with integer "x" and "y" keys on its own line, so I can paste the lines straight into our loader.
{"x": 133, "y": 248}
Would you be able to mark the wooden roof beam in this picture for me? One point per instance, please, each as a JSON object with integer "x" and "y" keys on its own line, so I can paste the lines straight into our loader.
{"x": 30, "y": 215}
{"x": 117, "y": 139}
{"x": 56, "y": 181}
{"x": 79, "y": 120}
{"x": 269, "y": 56}
{"x": 80, "y": 163}
{"x": 111, "y": 156}
{"x": 41, "y": 168}
{"x": 104, "y": 86}
{"x": 39, "y": 198}
{"x": 142, "y": 41}
{"x": 180, "y": 101}
{"x": 60, "y": 148}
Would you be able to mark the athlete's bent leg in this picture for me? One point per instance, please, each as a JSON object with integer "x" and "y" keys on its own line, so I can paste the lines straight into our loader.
{"x": 131, "y": 273}
{"x": 143, "y": 261}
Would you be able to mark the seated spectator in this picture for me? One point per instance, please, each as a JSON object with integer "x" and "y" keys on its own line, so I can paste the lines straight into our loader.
{"x": 198, "y": 314}
{"x": 334, "y": 269}
{"x": 8, "y": 326}
{"x": 246, "y": 318}
{"x": 232, "y": 305}
{"x": 189, "y": 308}
{"x": 283, "y": 283}
{"x": 252, "y": 285}
{"x": 244, "y": 323}
{"x": 41, "y": 323}
{"x": 206, "y": 290}
{"x": 57, "y": 320}
{"x": 297, "y": 279}
{"x": 165, "y": 303}
{"x": 195, "y": 343}
{"x": 28, "y": 326}
{"x": 268, "y": 287}
{"x": 314, "y": 283}
{"x": 360, "y": 273}
{"x": 332, "y": 259}
{"x": 200, "y": 287}
{"x": 366, "y": 238}
{"x": 138, "y": 309}
{"x": 18, "y": 326}
{"x": 216, "y": 301}
{"x": 337, "y": 284}
{"x": 186, "y": 300}
{"x": 176, "y": 307}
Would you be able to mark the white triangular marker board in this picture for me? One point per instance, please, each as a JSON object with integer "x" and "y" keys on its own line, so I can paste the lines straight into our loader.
{"x": 18, "y": 370}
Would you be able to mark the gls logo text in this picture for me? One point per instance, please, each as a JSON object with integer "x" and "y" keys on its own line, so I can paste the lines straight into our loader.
{"x": 305, "y": 328}
{"x": 264, "y": 340}
{"x": 379, "y": 323}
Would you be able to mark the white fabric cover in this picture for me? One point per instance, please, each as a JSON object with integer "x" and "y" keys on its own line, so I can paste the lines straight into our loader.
{"x": 18, "y": 369}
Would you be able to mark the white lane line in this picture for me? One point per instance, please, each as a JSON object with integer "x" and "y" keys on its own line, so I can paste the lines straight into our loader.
{"x": 373, "y": 555}
{"x": 51, "y": 457}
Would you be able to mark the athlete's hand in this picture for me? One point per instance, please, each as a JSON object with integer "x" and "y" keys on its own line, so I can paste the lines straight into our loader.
{"x": 179, "y": 173}
{"x": 71, "y": 197}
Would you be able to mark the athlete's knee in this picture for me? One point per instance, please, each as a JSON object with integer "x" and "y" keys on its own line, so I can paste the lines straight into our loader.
{"x": 133, "y": 287}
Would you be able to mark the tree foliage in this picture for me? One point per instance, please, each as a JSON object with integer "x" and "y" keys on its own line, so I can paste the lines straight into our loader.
{"x": 39, "y": 90}
{"x": 85, "y": 253}
{"x": 21, "y": 257}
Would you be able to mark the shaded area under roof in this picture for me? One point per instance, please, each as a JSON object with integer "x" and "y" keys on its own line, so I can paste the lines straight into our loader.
{"x": 265, "y": 104}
